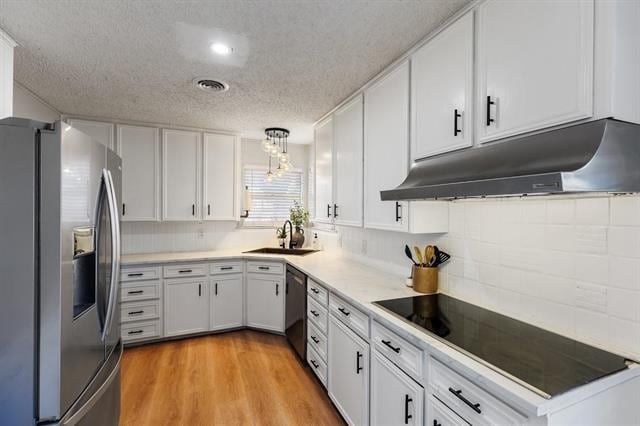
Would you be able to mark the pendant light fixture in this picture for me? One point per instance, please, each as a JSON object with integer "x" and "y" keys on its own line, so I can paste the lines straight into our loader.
{"x": 276, "y": 146}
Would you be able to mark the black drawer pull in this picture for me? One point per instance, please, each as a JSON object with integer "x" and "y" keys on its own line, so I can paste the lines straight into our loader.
{"x": 315, "y": 339}
{"x": 216, "y": 289}
{"x": 185, "y": 271}
{"x": 263, "y": 268}
{"x": 315, "y": 290}
{"x": 335, "y": 211}
{"x": 458, "y": 393}
{"x": 135, "y": 274}
{"x": 199, "y": 290}
{"x": 328, "y": 210}
{"x": 135, "y": 292}
{"x": 489, "y": 103}
{"x": 407, "y": 416}
{"x": 315, "y": 364}
{"x": 358, "y": 367}
{"x": 398, "y": 214}
{"x": 456, "y": 116}
{"x": 124, "y": 209}
{"x": 193, "y": 209}
{"x": 435, "y": 423}
{"x": 387, "y": 343}
{"x": 208, "y": 209}
{"x": 345, "y": 313}
{"x": 135, "y": 332}
{"x": 315, "y": 314}
{"x": 226, "y": 268}
{"x": 135, "y": 313}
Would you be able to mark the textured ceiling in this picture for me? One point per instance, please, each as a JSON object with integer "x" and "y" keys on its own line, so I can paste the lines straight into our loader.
{"x": 293, "y": 60}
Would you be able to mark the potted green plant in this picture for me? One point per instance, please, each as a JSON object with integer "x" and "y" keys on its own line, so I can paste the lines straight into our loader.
{"x": 281, "y": 233}
{"x": 298, "y": 216}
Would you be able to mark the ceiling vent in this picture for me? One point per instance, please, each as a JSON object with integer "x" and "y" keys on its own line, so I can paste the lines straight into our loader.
{"x": 211, "y": 85}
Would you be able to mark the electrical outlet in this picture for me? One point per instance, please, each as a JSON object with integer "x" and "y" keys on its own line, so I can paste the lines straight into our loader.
{"x": 200, "y": 233}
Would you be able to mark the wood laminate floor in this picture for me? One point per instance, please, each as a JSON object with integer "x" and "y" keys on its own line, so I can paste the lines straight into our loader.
{"x": 241, "y": 377}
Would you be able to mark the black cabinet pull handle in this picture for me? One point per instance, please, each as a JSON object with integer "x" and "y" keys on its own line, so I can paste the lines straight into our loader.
{"x": 387, "y": 343}
{"x": 328, "y": 210}
{"x": 185, "y": 271}
{"x": 135, "y": 332}
{"x": 263, "y": 268}
{"x": 277, "y": 289}
{"x": 315, "y": 339}
{"x": 315, "y": 364}
{"x": 226, "y": 268}
{"x": 398, "y": 215}
{"x": 489, "y": 103}
{"x": 208, "y": 209}
{"x": 199, "y": 290}
{"x": 315, "y": 314}
{"x": 135, "y": 313}
{"x": 216, "y": 289}
{"x": 358, "y": 367}
{"x": 345, "y": 313}
{"x": 407, "y": 416}
{"x": 435, "y": 423}
{"x": 458, "y": 393}
{"x": 135, "y": 292}
{"x": 193, "y": 209}
{"x": 335, "y": 210}
{"x": 456, "y": 116}
{"x": 124, "y": 209}
{"x": 315, "y": 290}
{"x": 136, "y": 274}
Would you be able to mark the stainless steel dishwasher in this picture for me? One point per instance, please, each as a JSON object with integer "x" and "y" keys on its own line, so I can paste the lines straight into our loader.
{"x": 296, "y": 310}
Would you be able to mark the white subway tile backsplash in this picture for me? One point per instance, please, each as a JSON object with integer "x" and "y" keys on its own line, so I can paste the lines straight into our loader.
{"x": 561, "y": 211}
{"x": 592, "y": 297}
{"x": 625, "y": 336}
{"x": 624, "y": 272}
{"x": 592, "y": 327}
{"x": 624, "y": 241}
{"x": 592, "y": 211}
{"x": 625, "y": 211}
{"x": 532, "y": 211}
{"x": 624, "y": 304}
{"x": 590, "y": 268}
{"x": 560, "y": 237}
{"x": 591, "y": 239}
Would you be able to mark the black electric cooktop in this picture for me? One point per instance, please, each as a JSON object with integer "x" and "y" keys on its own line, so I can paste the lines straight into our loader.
{"x": 546, "y": 361}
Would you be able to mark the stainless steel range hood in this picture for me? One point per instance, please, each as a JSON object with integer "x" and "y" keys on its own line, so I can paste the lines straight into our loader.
{"x": 598, "y": 156}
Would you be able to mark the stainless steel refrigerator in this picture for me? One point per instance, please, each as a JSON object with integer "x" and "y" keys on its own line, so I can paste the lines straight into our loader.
{"x": 60, "y": 344}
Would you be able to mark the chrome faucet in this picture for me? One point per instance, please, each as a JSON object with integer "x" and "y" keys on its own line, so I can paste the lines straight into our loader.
{"x": 284, "y": 228}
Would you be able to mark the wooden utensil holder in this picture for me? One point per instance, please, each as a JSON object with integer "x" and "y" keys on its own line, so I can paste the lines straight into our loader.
{"x": 425, "y": 279}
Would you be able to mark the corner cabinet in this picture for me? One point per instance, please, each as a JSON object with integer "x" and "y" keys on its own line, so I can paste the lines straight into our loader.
{"x": 535, "y": 65}
{"x": 442, "y": 91}
{"x": 323, "y": 135}
{"x": 348, "y": 144}
{"x": 265, "y": 302}
{"x": 139, "y": 148}
{"x": 221, "y": 176}
{"x": 181, "y": 153}
{"x": 99, "y": 131}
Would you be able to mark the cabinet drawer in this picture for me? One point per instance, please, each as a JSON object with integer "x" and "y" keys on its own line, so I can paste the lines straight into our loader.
{"x": 143, "y": 290}
{"x": 225, "y": 267}
{"x": 140, "y": 330}
{"x": 317, "y": 315}
{"x": 265, "y": 267}
{"x": 319, "y": 293}
{"x": 186, "y": 270}
{"x": 317, "y": 365}
{"x": 440, "y": 414}
{"x": 397, "y": 350}
{"x": 138, "y": 311}
{"x": 317, "y": 340}
{"x": 352, "y": 317}
{"x": 140, "y": 274}
{"x": 468, "y": 399}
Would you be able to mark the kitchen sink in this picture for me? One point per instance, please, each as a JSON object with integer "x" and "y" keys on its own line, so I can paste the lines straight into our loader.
{"x": 279, "y": 250}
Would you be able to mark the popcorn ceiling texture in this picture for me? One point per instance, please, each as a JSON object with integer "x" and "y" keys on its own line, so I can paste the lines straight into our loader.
{"x": 570, "y": 265}
{"x": 134, "y": 60}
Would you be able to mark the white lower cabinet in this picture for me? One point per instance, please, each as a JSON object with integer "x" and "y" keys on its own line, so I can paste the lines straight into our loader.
{"x": 265, "y": 302}
{"x": 395, "y": 397}
{"x": 348, "y": 373}
{"x": 226, "y": 302}
{"x": 439, "y": 414}
{"x": 186, "y": 306}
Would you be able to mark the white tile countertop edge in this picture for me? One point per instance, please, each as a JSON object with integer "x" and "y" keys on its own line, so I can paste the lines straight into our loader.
{"x": 361, "y": 284}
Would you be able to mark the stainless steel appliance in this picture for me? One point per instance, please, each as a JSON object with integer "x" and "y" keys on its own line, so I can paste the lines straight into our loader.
{"x": 59, "y": 268}
{"x": 598, "y": 156}
{"x": 296, "y": 310}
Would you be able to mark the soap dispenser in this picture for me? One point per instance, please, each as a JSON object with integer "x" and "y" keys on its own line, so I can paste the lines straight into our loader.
{"x": 315, "y": 243}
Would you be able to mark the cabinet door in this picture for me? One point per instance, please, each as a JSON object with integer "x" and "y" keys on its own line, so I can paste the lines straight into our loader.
{"x": 139, "y": 148}
{"x": 98, "y": 130}
{"x": 348, "y": 140}
{"x": 181, "y": 175}
{"x": 396, "y": 399}
{"x": 535, "y": 65}
{"x": 265, "y": 302}
{"x": 220, "y": 177}
{"x": 324, "y": 171}
{"x": 348, "y": 373}
{"x": 186, "y": 307}
{"x": 226, "y": 301}
{"x": 386, "y": 154}
{"x": 442, "y": 91}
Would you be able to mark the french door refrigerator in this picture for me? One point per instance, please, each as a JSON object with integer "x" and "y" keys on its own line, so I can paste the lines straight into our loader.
{"x": 60, "y": 345}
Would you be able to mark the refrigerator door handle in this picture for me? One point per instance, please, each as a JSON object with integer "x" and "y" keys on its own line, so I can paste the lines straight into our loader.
{"x": 115, "y": 250}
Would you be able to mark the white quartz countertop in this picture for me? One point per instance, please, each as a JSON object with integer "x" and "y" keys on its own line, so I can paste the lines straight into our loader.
{"x": 360, "y": 282}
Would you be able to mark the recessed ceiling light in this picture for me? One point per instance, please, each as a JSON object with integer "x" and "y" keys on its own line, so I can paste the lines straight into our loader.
{"x": 221, "y": 49}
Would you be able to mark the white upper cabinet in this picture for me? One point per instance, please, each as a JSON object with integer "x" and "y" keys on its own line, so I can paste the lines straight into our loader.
{"x": 442, "y": 91}
{"x": 386, "y": 153}
{"x": 6, "y": 75}
{"x": 98, "y": 130}
{"x": 324, "y": 171}
{"x": 139, "y": 148}
{"x": 348, "y": 143}
{"x": 535, "y": 65}
{"x": 181, "y": 175}
{"x": 220, "y": 177}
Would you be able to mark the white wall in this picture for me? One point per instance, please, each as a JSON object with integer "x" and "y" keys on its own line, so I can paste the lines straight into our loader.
{"x": 28, "y": 105}
{"x": 570, "y": 265}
